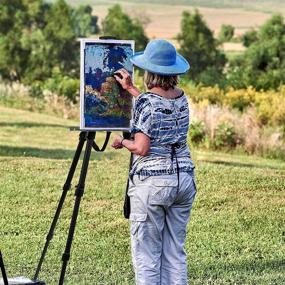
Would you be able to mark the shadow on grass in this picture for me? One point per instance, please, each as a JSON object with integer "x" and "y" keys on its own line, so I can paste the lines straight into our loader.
{"x": 47, "y": 153}
{"x": 31, "y": 125}
{"x": 238, "y": 164}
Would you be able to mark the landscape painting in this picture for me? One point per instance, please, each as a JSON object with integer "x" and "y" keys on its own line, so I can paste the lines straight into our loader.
{"x": 105, "y": 105}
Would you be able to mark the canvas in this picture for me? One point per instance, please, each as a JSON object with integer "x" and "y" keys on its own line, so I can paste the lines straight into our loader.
{"x": 104, "y": 104}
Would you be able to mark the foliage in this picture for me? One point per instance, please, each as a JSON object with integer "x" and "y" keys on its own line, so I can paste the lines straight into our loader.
{"x": 239, "y": 99}
{"x": 13, "y": 57}
{"x": 236, "y": 77}
{"x": 18, "y": 96}
{"x": 37, "y": 37}
{"x": 226, "y": 33}
{"x": 263, "y": 64}
{"x": 249, "y": 37}
{"x": 197, "y": 132}
{"x": 84, "y": 23}
{"x": 269, "y": 105}
{"x": 227, "y": 129}
{"x": 205, "y": 94}
{"x": 225, "y": 136}
{"x": 199, "y": 47}
{"x": 120, "y": 25}
{"x": 59, "y": 31}
{"x": 63, "y": 85}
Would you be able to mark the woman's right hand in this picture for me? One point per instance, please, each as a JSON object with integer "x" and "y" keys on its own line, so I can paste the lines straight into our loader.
{"x": 126, "y": 82}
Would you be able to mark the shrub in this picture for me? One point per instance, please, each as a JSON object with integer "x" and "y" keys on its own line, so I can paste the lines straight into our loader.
{"x": 18, "y": 96}
{"x": 197, "y": 132}
{"x": 211, "y": 95}
{"x": 226, "y": 33}
{"x": 269, "y": 105}
{"x": 225, "y": 136}
{"x": 239, "y": 99}
{"x": 62, "y": 85}
{"x": 249, "y": 37}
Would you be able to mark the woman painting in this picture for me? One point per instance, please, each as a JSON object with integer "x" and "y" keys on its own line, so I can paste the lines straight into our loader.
{"x": 162, "y": 186}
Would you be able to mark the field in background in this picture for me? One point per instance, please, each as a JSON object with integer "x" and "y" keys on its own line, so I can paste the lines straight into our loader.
{"x": 236, "y": 235}
{"x": 164, "y": 20}
{"x": 164, "y": 16}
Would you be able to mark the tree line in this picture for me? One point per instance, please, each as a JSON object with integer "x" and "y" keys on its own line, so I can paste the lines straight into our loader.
{"x": 39, "y": 46}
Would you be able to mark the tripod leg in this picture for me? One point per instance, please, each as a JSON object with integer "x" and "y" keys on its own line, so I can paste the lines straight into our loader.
{"x": 79, "y": 193}
{"x": 66, "y": 187}
{"x": 2, "y": 266}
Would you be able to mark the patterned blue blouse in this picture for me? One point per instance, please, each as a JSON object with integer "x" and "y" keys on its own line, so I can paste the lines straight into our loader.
{"x": 165, "y": 122}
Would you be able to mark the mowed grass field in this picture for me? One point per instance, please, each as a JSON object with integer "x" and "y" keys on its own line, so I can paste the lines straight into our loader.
{"x": 236, "y": 235}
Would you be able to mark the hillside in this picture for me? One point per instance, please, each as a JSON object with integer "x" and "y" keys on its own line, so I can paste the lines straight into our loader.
{"x": 258, "y": 5}
{"x": 162, "y": 18}
{"x": 236, "y": 235}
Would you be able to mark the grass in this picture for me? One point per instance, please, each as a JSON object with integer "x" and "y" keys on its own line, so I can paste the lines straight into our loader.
{"x": 236, "y": 235}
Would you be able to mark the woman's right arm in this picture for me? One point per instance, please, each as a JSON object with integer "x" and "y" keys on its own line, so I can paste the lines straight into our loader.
{"x": 126, "y": 82}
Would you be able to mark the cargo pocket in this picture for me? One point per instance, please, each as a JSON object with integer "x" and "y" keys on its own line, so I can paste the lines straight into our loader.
{"x": 136, "y": 220}
{"x": 163, "y": 191}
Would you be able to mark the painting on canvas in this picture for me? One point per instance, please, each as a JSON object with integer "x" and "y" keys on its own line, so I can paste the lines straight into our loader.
{"x": 104, "y": 105}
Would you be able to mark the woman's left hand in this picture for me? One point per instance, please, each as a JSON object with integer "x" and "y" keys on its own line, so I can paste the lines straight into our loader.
{"x": 117, "y": 143}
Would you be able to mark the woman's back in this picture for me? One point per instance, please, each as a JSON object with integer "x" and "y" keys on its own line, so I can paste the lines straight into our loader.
{"x": 166, "y": 122}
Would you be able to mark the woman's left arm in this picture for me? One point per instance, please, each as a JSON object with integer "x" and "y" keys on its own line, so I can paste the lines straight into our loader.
{"x": 140, "y": 145}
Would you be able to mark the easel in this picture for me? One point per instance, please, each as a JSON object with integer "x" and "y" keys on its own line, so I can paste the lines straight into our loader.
{"x": 87, "y": 137}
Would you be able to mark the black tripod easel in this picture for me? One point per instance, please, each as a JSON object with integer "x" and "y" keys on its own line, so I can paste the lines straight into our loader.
{"x": 87, "y": 137}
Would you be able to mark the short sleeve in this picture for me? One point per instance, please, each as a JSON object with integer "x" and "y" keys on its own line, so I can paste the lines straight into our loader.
{"x": 142, "y": 116}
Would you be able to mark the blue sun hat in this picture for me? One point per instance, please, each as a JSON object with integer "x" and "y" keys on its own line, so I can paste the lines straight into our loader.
{"x": 160, "y": 57}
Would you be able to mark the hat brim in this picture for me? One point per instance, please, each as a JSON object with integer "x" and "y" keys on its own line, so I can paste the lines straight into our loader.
{"x": 180, "y": 66}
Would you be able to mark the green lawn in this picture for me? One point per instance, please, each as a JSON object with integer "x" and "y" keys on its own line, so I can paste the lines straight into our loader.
{"x": 236, "y": 235}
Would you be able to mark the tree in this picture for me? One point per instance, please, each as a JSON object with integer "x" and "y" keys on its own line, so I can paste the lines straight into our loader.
{"x": 13, "y": 58}
{"x": 85, "y": 23}
{"x": 38, "y": 43}
{"x": 121, "y": 26}
{"x": 264, "y": 60}
{"x": 61, "y": 45}
{"x": 199, "y": 47}
{"x": 226, "y": 33}
{"x": 249, "y": 37}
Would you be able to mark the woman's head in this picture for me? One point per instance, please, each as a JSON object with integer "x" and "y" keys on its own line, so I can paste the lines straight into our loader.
{"x": 165, "y": 82}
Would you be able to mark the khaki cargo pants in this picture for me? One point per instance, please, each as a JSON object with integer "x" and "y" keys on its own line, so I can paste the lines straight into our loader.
{"x": 160, "y": 211}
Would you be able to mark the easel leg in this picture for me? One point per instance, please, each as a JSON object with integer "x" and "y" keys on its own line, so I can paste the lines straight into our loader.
{"x": 66, "y": 187}
{"x": 2, "y": 266}
{"x": 79, "y": 193}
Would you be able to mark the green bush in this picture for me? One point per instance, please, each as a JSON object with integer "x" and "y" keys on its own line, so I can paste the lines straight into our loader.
{"x": 226, "y": 33}
{"x": 197, "y": 132}
{"x": 62, "y": 85}
{"x": 225, "y": 136}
